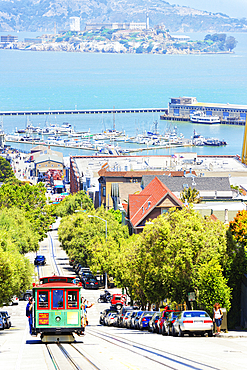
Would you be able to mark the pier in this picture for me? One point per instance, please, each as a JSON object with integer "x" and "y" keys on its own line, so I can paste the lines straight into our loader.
{"x": 187, "y": 119}
{"x": 82, "y": 111}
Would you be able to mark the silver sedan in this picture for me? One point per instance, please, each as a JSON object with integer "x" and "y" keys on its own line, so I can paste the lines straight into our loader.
{"x": 192, "y": 322}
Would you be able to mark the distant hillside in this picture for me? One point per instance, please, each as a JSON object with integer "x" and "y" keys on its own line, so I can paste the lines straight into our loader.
{"x": 40, "y": 15}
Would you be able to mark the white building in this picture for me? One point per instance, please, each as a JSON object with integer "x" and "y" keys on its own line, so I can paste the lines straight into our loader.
{"x": 75, "y": 24}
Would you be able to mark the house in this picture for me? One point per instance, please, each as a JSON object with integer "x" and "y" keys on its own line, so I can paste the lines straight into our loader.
{"x": 209, "y": 187}
{"x": 113, "y": 184}
{"x": 151, "y": 202}
{"x": 46, "y": 162}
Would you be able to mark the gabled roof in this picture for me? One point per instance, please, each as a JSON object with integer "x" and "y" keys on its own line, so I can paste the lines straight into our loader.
{"x": 49, "y": 157}
{"x": 140, "y": 205}
{"x": 199, "y": 183}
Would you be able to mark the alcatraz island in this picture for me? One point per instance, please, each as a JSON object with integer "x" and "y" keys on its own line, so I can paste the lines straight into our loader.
{"x": 123, "y": 38}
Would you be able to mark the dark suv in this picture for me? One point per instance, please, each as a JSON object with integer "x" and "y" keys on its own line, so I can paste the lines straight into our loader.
{"x": 40, "y": 260}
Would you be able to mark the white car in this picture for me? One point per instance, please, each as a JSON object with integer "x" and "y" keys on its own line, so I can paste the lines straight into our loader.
{"x": 192, "y": 322}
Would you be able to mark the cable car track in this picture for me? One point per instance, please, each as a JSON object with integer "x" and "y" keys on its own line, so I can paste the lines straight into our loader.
{"x": 148, "y": 351}
{"x": 53, "y": 257}
{"x": 59, "y": 363}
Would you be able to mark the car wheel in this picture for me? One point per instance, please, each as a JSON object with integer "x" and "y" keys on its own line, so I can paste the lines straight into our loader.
{"x": 210, "y": 333}
{"x": 118, "y": 306}
{"x": 180, "y": 333}
{"x": 190, "y": 334}
{"x": 27, "y": 296}
{"x": 174, "y": 333}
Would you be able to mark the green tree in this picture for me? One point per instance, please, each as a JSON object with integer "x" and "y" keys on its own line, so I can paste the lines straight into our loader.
{"x": 79, "y": 201}
{"x": 190, "y": 195}
{"x": 5, "y": 170}
{"x": 173, "y": 248}
{"x": 32, "y": 200}
{"x": 231, "y": 43}
{"x": 19, "y": 229}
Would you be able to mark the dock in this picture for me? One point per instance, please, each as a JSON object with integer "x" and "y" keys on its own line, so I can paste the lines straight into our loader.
{"x": 82, "y": 111}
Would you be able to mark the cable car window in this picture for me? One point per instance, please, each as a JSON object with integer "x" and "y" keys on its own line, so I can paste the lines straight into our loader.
{"x": 72, "y": 299}
{"x": 43, "y": 299}
{"x": 57, "y": 298}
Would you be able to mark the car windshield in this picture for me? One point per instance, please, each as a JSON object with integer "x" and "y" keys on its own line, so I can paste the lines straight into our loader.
{"x": 196, "y": 314}
{"x": 148, "y": 314}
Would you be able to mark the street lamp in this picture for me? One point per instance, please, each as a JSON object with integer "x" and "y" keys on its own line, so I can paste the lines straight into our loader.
{"x": 105, "y": 239}
{"x": 102, "y": 220}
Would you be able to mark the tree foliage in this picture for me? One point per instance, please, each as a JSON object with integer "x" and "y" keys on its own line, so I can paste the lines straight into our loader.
{"x": 31, "y": 200}
{"x": 190, "y": 195}
{"x": 79, "y": 201}
{"x": 5, "y": 170}
{"x": 82, "y": 236}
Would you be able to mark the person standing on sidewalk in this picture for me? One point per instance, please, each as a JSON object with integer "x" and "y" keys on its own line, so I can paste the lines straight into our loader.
{"x": 29, "y": 308}
{"x": 217, "y": 316}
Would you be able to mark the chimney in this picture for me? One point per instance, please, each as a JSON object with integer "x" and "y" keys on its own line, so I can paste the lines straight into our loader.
{"x": 226, "y": 216}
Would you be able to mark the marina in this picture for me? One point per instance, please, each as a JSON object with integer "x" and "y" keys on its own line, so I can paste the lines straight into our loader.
{"x": 109, "y": 141}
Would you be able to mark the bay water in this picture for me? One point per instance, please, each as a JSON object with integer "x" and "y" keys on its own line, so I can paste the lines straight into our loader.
{"x": 60, "y": 80}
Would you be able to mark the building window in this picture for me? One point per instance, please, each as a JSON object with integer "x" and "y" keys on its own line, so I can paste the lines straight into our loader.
{"x": 103, "y": 191}
{"x": 164, "y": 210}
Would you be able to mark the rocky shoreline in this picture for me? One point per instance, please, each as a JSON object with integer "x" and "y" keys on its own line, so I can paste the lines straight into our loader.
{"x": 153, "y": 41}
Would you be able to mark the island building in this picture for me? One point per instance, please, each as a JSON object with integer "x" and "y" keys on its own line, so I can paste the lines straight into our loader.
{"x": 119, "y": 26}
{"x": 75, "y": 24}
{"x": 9, "y": 38}
{"x": 182, "y": 107}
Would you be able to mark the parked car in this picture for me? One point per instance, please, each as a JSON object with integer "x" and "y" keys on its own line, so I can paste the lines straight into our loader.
{"x": 6, "y": 319}
{"x": 110, "y": 318}
{"x": 1, "y": 322}
{"x": 144, "y": 319}
{"x": 167, "y": 325}
{"x": 105, "y": 312}
{"x": 135, "y": 324}
{"x": 164, "y": 317}
{"x": 91, "y": 283}
{"x": 152, "y": 324}
{"x": 122, "y": 313}
{"x": 14, "y": 300}
{"x": 125, "y": 319}
{"x": 193, "y": 322}
{"x": 26, "y": 295}
{"x": 129, "y": 320}
{"x": 40, "y": 260}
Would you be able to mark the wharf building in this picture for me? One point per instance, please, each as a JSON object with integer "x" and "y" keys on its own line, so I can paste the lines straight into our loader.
{"x": 9, "y": 38}
{"x": 182, "y": 107}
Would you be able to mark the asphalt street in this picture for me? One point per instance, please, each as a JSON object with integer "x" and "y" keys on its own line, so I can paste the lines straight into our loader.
{"x": 115, "y": 348}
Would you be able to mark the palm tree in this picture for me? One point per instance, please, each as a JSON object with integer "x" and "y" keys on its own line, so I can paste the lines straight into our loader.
{"x": 190, "y": 195}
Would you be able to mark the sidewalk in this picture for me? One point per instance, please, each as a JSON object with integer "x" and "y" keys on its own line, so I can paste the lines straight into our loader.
{"x": 232, "y": 334}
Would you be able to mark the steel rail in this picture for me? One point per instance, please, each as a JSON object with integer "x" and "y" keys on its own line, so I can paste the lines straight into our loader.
{"x": 96, "y": 367}
{"x": 68, "y": 357}
{"x": 118, "y": 341}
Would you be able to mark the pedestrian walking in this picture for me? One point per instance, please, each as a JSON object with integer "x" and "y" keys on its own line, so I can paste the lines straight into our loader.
{"x": 217, "y": 316}
{"x": 29, "y": 308}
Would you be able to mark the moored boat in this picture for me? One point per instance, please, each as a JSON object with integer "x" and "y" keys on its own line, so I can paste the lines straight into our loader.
{"x": 201, "y": 117}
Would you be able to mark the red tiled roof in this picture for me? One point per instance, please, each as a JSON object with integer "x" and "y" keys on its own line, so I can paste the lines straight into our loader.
{"x": 140, "y": 205}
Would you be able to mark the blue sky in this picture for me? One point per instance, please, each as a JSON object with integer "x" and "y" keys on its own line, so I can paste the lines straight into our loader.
{"x": 233, "y": 8}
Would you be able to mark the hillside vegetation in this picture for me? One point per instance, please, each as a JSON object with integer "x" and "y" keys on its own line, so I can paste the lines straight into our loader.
{"x": 37, "y": 15}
